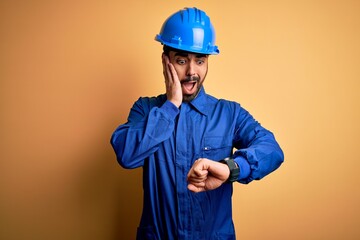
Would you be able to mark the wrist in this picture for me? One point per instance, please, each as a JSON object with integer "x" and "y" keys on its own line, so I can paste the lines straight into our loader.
{"x": 177, "y": 103}
{"x": 233, "y": 167}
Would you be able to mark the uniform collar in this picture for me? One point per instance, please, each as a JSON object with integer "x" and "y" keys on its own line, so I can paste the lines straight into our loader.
{"x": 201, "y": 102}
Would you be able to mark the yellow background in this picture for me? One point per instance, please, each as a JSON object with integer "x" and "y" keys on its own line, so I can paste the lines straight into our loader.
{"x": 71, "y": 70}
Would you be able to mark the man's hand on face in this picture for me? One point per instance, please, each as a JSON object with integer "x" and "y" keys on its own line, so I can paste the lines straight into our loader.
{"x": 172, "y": 82}
{"x": 207, "y": 175}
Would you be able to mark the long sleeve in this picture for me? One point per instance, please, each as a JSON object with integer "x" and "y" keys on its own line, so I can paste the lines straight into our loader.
{"x": 165, "y": 141}
{"x": 150, "y": 122}
{"x": 257, "y": 146}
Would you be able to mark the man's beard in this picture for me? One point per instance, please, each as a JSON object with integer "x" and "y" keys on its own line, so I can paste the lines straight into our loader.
{"x": 189, "y": 97}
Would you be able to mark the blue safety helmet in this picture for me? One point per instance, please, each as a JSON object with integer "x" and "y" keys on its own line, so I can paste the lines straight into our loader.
{"x": 189, "y": 30}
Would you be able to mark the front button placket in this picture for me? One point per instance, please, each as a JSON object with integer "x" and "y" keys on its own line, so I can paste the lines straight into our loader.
{"x": 181, "y": 161}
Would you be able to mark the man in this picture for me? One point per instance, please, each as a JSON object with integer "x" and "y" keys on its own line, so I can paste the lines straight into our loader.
{"x": 184, "y": 141}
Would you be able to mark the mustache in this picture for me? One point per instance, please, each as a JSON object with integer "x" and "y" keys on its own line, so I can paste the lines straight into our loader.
{"x": 190, "y": 79}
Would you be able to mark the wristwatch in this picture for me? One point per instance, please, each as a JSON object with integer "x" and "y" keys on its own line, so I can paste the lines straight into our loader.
{"x": 234, "y": 169}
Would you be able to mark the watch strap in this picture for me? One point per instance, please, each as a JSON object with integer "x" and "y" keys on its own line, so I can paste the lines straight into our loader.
{"x": 234, "y": 169}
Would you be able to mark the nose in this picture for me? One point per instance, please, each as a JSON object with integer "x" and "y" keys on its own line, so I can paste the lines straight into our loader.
{"x": 191, "y": 69}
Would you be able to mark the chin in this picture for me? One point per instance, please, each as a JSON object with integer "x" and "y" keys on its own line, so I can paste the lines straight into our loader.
{"x": 189, "y": 98}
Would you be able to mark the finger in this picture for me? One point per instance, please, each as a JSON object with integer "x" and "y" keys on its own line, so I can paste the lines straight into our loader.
{"x": 174, "y": 76}
{"x": 200, "y": 172}
{"x": 196, "y": 180}
{"x": 193, "y": 178}
{"x": 163, "y": 62}
{"x": 195, "y": 189}
{"x": 169, "y": 68}
{"x": 198, "y": 184}
{"x": 166, "y": 72}
{"x": 197, "y": 173}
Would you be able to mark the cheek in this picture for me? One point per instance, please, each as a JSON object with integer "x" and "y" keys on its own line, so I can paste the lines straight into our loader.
{"x": 180, "y": 72}
{"x": 203, "y": 72}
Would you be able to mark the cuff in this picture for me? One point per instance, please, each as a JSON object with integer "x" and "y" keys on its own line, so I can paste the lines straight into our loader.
{"x": 170, "y": 108}
{"x": 244, "y": 167}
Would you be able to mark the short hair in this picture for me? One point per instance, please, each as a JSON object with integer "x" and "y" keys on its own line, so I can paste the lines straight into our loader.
{"x": 167, "y": 49}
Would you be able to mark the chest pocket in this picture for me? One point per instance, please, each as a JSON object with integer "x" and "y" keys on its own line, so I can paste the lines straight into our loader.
{"x": 217, "y": 148}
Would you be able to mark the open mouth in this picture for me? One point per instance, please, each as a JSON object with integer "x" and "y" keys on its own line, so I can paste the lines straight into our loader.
{"x": 189, "y": 86}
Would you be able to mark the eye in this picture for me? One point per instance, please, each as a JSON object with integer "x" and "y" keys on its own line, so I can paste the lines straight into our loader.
{"x": 180, "y": 61}
{"x": 200, "y": 62}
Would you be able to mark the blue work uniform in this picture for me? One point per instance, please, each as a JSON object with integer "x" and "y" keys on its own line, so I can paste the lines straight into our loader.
{"x": 165, "y": 141}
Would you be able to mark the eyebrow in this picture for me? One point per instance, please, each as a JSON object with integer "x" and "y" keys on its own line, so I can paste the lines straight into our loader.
{"x": 184, "y": 54}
